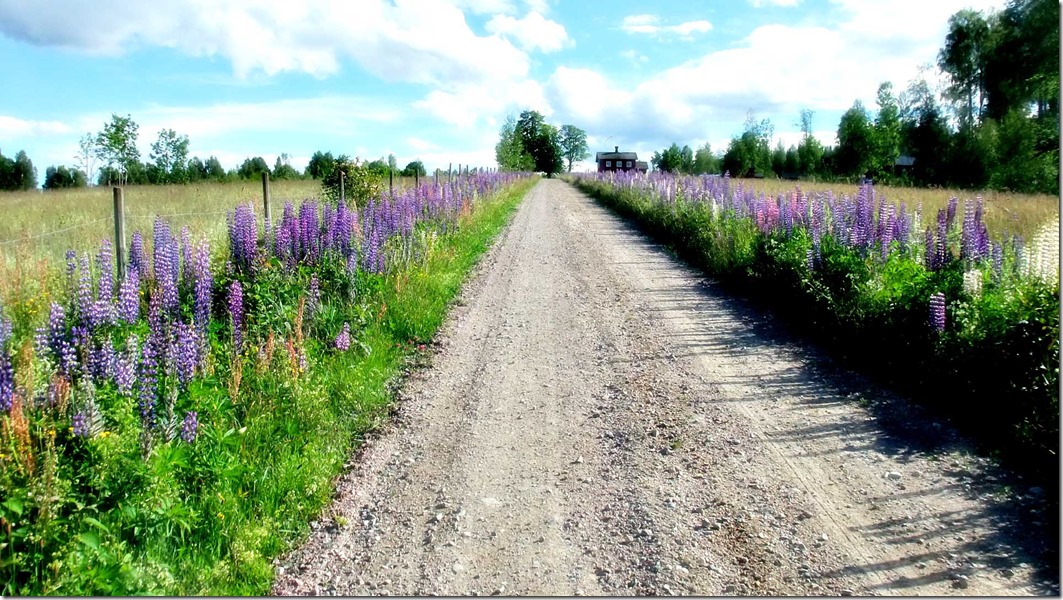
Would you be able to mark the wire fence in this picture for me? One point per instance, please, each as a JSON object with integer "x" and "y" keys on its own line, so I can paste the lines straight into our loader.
{"x": 51, "y": 233}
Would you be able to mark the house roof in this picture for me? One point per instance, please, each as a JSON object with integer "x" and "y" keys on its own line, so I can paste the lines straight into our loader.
{"x": 616, "y": 156}
{"x": 905, "y": 161}
{"x": 641, "y": 164}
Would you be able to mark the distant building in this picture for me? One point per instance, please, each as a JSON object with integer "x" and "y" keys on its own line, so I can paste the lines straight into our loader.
{"x": 903, "y": 164}
{"x": 619, "y": 161}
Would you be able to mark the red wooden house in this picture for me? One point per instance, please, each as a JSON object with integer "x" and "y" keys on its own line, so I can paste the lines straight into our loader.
{"x": 619, "y": 161}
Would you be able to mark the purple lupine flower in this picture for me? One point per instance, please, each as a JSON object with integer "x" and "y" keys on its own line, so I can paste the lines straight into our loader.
{"x": 203, "y": 285}
{"x": 55, "y": 341}
{"x": 129, "y": 297}
{"x": 166, "y": 260}
{"x": 343, "y": 340}
{"x": 941, "y": 248}
{"x": 7, "y": 381}
{"x": 138, "y": 260}
{"x": 998, "y": 260}
{"x": 80, "y": 424}
{"x": 125, "y": 367}
{"x": 189, "y": 427}
{"x": 105, "y": 262}
{"x": 86, "y": 307}
{"x": 236, "y": 314}
{"x": 185, "y": 353}
{"x": 950, "y": 213}
{"x": 102, "y": 361}
{"x": 147, "y": 381}
{"x": 937, "y": 312}
{"x": 930, "y": 258}
{"x": 243, "y": 236}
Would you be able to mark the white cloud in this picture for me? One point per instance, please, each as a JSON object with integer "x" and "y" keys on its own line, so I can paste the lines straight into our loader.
{"x": 13, "y": 127}
{"x": 469, "y": 105}
{"x": 762, "y": 3}
{"x": 648, "y": 24}
{"x": 420, "y": 145}
{"x": 533, "y": 32}
{"x": 422, "y": 41}
{"x": 634, "y": 56}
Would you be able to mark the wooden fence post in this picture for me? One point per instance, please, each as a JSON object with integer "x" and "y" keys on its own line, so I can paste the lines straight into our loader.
{"x": 343, "y": 196}
{"x": 119, "y": 232}
{"x": 391, "y": 181}
{"x": 265, "y": 202}
{"x": 450, "y": 173}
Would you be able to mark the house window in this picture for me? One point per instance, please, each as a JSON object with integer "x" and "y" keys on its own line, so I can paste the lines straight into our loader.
{"x": 629, "y": 164}
{"x": 608, "y": 163}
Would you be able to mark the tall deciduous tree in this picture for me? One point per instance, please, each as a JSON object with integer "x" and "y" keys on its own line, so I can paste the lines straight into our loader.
{"x": 86, "y": 157}
{"x": 887, "y": 132}
{"x": 573, "y": 142}
{"x": 705, "y": 161}
{"x": 855, "y": 141}
{"x": 963, "y": 60}
{"x": 670, "y": 160}
{"x": 320, "y": 165}
{"x": 116, "y": 146}
{"x": 509, "y": 152}
{"x": 541, "y": 141}
{"x": 169, "y": 153}
{"x": 810, "y": 150}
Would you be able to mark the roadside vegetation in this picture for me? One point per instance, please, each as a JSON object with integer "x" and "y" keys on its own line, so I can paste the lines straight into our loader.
{"x": 171, "y": 426}
{"x": 929, "y": 301}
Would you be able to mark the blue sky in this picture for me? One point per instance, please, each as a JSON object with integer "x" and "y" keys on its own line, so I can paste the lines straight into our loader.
{"x": 434, "y": 80}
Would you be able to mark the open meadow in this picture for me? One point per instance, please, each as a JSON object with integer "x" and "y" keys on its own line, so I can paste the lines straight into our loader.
{"x": 1005, "y": 212}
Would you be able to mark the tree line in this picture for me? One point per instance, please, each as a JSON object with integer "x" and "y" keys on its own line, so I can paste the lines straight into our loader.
{"x": 995, "y": 125}
{"x": 529, "y": 143}
{"x": 111, "y": 157}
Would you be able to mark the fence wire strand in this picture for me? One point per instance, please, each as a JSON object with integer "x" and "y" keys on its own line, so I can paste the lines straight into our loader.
{"x": 51, "y": 233}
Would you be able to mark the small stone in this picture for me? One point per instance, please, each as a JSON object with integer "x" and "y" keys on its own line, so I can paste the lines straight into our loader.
{"x": 1007, "y": 573}
{"x": 457, "y": 568}
{"x": 741, "y": 560}
{"x": 822, "y": 537}
{"x": 579, "y": 460}
{"x": 729, "y": 588}
{"x": 846, "y": 592}
{"x": 960, "y": 582}
{"x": 281, "y": 571}
{"x": 893, "y": 476}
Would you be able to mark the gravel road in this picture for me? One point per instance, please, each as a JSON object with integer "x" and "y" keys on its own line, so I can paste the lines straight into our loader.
{"x": 597, "y": 419}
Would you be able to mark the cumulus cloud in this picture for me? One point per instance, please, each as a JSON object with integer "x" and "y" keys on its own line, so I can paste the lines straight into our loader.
{"x": 13, "y": 128}
{"x": 421, "y": 41}
{"x": 648, "y": 25}
{"x": 762, "y": 3}
{"x": 469, "y": 105}
{"x": 533, "y": 32}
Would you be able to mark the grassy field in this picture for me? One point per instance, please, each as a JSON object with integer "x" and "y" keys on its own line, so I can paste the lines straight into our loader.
{"x": 1005, "y": 212}
{"x": 45, "y": 224}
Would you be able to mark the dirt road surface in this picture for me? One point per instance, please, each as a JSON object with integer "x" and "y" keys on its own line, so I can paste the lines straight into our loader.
{"x": 597, "y": 419}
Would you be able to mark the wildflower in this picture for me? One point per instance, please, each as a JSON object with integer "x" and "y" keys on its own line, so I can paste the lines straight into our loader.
{"x": 189, "y": 427}
{"x": 137, "y": 258}
{"x": 79, "y": 425}
{"x": 937, "y": 312}
{"x": 343, "y": 340}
